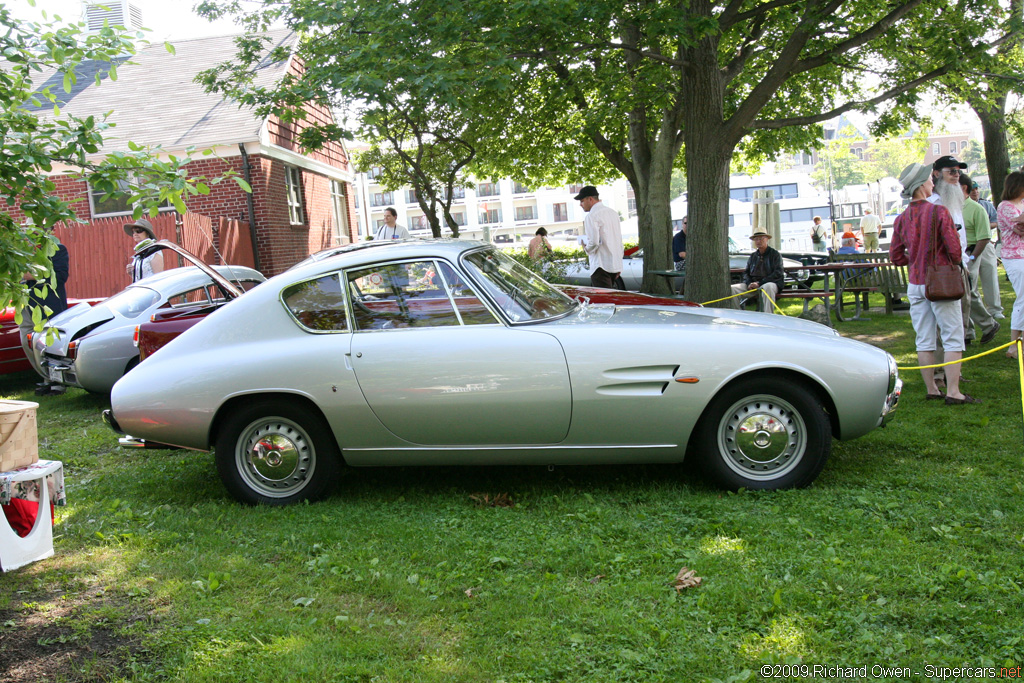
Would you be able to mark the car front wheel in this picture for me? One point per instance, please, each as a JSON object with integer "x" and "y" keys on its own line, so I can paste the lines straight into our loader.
{"x": 274, "y": 454}
{"x": 764, "y": 434}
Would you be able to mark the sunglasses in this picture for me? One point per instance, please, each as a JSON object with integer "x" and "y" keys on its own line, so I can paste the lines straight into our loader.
{"x": 138, "y": 231}
{"x": 952, "y": 171}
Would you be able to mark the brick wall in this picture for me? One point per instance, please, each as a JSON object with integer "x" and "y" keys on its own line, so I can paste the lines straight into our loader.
{"x": 280, "y": 244}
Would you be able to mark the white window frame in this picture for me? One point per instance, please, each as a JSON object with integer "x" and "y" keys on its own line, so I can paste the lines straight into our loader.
{"x": 94, "y": 194}
{"x": 293, "y": 195}
{"x": 339, "y": 202}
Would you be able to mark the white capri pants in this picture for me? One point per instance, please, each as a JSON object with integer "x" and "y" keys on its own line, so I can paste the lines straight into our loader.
{"x": 925, "y": 315}
{"x": 1014, "y": 268}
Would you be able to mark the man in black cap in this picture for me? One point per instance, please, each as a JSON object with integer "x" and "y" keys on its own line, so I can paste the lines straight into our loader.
{"x": 602, "y": 240}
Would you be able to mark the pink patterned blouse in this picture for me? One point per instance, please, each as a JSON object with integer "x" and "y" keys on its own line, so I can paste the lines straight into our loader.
{"x": 1013, "y": 244}
{"x": 913, "y": 232}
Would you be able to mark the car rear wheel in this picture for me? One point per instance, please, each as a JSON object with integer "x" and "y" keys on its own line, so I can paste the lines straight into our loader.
{"x": 764, "y": 434}
{"x": 275, "y": 454}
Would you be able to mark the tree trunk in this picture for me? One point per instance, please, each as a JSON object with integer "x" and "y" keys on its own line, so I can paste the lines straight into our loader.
{"x": 654, "y": 220}
{"x": 997, "y": 156}
{"x": 709, "y": 148}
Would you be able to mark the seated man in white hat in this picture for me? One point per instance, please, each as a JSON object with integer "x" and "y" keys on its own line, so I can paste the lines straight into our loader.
{"x": 763, "y": 272}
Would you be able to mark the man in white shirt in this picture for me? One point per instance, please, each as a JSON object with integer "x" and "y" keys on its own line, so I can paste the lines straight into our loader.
{"x": 602, "y": 239}
{"x": 869, "y": 224}
{"x": 391, "y": 230}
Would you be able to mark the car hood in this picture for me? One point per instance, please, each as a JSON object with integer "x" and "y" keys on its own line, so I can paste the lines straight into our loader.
{"x": 679, "y": 315}
{"x": 73, "y": 321}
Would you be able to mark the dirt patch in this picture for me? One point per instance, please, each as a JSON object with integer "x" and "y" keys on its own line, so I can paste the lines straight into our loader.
{"x": 880, "y": 340}
{"x": 68, "y": 637}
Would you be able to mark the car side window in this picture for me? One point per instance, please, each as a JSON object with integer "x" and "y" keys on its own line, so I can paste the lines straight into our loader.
{"x": 471, "y": 309}
{"x": 400, "y": 295}
{"x": 319, "y": 304}
{"x": 188, "y": 298}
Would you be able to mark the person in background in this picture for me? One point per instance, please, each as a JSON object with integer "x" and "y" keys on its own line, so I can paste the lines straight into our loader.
{"x": 849, "y": 244}
{"x": 679, "y": 248}
{"x": 539, "y": 247}
{"x": 978, "y": 234}
{"x": 869, "y": 224}
{"x": 55, "y": 299}
{"x": 988, "y": 267}
{"x": 914, "y": 231}
{"x": 602, "y": 239}
{"x": 142, "y": 267}
{"x": 391, "y": 230}
{"x": 763, "y": 272}
{"x": 818, "y": 235}
{"x": 1010, "y": 216}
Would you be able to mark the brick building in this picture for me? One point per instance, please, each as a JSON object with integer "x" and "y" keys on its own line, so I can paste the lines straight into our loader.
{"x": 300, "y": 202}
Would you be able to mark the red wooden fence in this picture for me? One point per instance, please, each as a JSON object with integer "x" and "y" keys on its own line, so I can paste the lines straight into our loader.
{"x": 100, "y": 250}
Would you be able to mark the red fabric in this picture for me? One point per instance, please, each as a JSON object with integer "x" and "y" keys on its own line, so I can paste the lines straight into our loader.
{"x": 912, "y": 239}
{"x": 21, "y": 515}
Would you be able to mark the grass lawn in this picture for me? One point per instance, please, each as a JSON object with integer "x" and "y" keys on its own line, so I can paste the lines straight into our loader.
{"x": 906, "y": 553}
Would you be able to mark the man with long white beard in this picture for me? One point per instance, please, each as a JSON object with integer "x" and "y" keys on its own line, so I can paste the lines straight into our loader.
{"x": 948, "y": 193}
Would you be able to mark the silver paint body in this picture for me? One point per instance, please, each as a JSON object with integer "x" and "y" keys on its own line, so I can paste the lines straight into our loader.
{"x": 105, "y": 352}
{"x": 596, "y": 386}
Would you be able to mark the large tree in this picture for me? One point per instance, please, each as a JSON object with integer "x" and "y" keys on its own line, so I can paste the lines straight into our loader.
{"x": 637, "y": 81}
{"x": 39, "y": 141}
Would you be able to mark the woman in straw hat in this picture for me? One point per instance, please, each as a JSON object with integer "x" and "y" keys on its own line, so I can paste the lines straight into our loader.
{"x": 915, "y": 230}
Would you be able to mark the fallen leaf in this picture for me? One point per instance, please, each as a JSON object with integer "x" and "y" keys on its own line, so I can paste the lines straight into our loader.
{"x": 498, "y": 500}
{"x": 597, "y": 578}
{"x": 686, "y": 578}
{"x": 469, "y": 592}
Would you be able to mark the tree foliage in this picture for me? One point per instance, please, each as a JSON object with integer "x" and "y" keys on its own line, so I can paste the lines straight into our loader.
{"x": 639, "y": 82}
{"x": 40, "y": 141}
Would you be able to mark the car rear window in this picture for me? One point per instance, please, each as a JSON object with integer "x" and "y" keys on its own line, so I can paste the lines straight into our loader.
{"x": 132, "y": 301}
{"x": 319, "y": 304}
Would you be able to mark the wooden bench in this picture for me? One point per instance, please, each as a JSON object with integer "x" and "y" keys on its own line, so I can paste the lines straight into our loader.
{"x": 886, "y": 277}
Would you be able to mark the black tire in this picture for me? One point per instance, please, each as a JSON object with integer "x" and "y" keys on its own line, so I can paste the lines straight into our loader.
{"x": 271, "y": 453}
{"x": 765, "y": 434}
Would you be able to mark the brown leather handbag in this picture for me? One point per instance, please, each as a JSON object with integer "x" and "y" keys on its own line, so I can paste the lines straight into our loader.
{"x": 942, "y": 282}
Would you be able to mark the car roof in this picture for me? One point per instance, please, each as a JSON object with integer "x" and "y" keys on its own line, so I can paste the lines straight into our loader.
{"x": 355, "y": 255}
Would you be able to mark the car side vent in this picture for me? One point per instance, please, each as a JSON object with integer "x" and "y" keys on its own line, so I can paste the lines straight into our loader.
{"x": 89, "y": 328}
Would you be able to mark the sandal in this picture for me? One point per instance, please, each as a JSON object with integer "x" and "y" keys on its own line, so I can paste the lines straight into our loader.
{"x": 960, "y": 401}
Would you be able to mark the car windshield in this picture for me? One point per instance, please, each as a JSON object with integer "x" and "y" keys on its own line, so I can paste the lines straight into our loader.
{"x": 132, "y": 301}
{"x": 521, "y": 294}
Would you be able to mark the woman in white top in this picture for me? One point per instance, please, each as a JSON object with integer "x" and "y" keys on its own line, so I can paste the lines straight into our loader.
{"x": 391, "y": 230}
{"x": 142, "y": 232}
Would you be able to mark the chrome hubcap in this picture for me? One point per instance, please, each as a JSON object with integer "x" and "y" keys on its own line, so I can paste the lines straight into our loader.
{"x": 762, "y": 437}
{"x": 275, "y": 457}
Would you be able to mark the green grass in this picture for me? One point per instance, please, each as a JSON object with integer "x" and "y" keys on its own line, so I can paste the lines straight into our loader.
{"x": 905, "y": 553}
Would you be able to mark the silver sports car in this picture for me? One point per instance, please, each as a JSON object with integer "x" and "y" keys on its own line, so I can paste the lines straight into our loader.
{"x": 92, "y": 346}
{"x": 450, "y": 353}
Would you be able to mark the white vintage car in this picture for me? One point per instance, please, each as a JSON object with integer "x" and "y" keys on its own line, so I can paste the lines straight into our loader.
{"x": 91, "y": 347}
{"x": 451, "y": 353}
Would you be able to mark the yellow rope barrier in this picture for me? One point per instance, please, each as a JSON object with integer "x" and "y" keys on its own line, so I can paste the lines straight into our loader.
{"x": 964, "y": 360}
{"x": 745, "y": 293}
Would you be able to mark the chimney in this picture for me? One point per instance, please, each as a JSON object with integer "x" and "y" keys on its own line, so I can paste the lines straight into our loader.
{"x": 114, "y": 12}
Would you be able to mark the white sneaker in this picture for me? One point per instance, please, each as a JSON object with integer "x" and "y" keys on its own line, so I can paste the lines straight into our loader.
{"x": 999, "y": 315}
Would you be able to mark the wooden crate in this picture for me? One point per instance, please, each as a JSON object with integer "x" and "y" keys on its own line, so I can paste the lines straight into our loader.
{"x": 19, "y": 439}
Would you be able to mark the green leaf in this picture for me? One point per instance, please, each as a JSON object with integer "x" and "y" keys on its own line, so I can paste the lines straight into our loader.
{"x": 169, "y": 47}
{"x": 244, "y": 185}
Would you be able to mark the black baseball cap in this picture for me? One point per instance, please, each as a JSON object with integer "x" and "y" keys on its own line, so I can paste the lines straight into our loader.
{"x": 587, "y": 191}
{"x": 948, "y": 161}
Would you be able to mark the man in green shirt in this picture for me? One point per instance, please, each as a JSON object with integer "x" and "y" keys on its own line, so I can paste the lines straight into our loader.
{"x": 978, "y": 232}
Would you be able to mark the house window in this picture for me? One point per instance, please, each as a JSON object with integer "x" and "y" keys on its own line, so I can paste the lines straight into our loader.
{"x": 857, "y": 152}
{"x": 410, "y": 197}
{"x": 519, "y": 188}
{"x": 952, "y": 146}
{"x": 293, "y": 189}
{"x": 117, "y": 203}
{"x": 575, "y": 189}
{"x": 458, "y": 193}
{"x": 561, "y": 214}
{"x": 963, "y": 145}
{"x": 487, "y": 190}
{"x": 382, "y": 198}
{"x": 340, "y": 206}
{"x": 374, "y": 172}
{"x": 459, "y": 217}
{"x": 490, "y": 216}
{"x": 419, "y": 222}
{"x": 525, "y": 213}
{"x": 936, "y": 149}
{"x": 631, "y": 206}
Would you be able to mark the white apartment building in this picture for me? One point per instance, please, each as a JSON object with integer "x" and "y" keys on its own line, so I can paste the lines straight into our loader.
{"x": 499, "y": 211}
